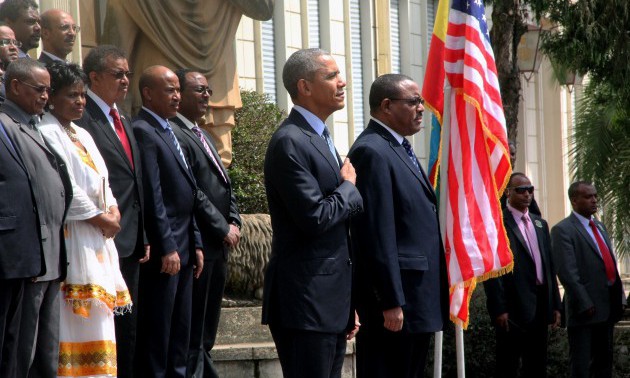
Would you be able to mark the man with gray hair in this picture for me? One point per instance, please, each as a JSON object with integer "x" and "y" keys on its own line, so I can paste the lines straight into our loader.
{"x": 27, "y": 86}
{"x": 311, "y": 195}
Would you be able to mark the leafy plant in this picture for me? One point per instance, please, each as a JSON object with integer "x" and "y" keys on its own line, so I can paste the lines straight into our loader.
{"x": 255, "y": 123}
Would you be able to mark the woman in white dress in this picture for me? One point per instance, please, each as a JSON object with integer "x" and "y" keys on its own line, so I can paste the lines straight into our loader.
{"x": 94, "y": 290}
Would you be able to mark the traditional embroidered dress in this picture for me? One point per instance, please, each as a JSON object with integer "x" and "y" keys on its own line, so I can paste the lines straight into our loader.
{"x": 94, "y": 289}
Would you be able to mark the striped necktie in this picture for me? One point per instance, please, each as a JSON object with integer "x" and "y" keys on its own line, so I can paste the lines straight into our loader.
{"x": 171, "y": 134}
{"x": 329, "y": 142}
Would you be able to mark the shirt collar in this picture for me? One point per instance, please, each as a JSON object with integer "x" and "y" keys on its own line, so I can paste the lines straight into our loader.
{"x": 399, "y": 138}
{"x": 100, "y": 103}
{"x": 585, "y": 221}
{"x": 186, "y": 122}
{"x": 163, "y": 122}
{"x": 517, "y": 214}
{"x": 312, "y": 119}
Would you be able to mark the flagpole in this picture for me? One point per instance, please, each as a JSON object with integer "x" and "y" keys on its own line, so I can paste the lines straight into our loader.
{"x": 437, "y": 355}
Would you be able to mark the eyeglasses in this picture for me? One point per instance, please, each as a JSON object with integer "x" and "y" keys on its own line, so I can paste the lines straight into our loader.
{"x": 120, "y": 74}
{"x": 202, "y": 90}
{"x": 523, "y": 188}
{"x": 65, "y": 27}
{"x": 38, "y": 88}
{"x": 7, "y": 42}
{"x": 413, "y": 101}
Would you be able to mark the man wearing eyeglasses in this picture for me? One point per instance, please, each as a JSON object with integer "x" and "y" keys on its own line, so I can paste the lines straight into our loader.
{"x": 108, "y": 73}
{"x": 523, "y": 304}
{"x": 28, "y": 85}
{"x": 59, "y": 32}
{"x": 400, "y": 284}
{"x": 22, "y": 17}
{"x": 593, "y": 292}
{"x": 9, "y": 50}
{"x": 218, "y": 219}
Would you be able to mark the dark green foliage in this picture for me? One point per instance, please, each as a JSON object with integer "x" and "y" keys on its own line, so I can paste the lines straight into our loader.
{"x": 255, "y": 123}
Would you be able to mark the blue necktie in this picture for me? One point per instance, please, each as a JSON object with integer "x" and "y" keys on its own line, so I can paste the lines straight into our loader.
{"x": 331, "y": 146}
{"x": 412, "y": 156}
{"x": 176, "y": 143}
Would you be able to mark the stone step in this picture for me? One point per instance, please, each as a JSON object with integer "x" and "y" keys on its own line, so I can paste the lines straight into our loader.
{"x": 241, "y": 325}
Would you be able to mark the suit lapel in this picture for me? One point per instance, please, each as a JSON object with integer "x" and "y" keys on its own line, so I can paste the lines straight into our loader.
{"x": 12, "y": 149}
{"x": 582, "y": 231}
{"x": 102, "y": 124}
{"x": 509, "y": 221}
{"x": 317, "y": 141}
{"x": 163, "y": 134}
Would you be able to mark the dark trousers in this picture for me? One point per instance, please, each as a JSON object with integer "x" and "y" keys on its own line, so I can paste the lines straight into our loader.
{"x": 126, "y": 325}
{"x": 309, "y": 354}
{"x": 163, "y": 321}
{"x": 524, "y": 344}
{"x": 591, "y": 350}
{"x": 206, "y": 309}
{"x": 38, "y": 345}
{"x": 382, "y": 353}
{"x": 11, "y": 294}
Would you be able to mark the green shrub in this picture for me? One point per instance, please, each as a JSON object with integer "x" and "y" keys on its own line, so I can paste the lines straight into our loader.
{"x": 255, "y": 123}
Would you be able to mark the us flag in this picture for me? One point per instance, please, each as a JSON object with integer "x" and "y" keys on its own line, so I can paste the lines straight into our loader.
{"x": 474, "y": 160}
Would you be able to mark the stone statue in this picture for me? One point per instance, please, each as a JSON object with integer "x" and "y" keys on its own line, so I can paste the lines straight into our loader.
{"x": 196, "y": 34}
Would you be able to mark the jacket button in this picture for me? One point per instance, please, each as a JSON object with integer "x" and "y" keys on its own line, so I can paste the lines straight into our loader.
{"x": 349, "y": 262}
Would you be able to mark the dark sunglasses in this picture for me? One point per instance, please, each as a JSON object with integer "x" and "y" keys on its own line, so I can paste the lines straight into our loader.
{"x": 413, "y": 101}
{"x": 522, "y": 189}
{"x": 119, "y": 74}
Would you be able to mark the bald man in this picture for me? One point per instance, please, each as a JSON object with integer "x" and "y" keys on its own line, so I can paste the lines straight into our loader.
{"x": 59, "y": 32}
{"x": 165, "y": 293}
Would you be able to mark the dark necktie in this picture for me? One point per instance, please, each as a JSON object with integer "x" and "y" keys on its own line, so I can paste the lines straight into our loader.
{"x": 329, "y": 142}
{"x": 201, "y": 137}
{"x": 122, "y": 135}
{"x": 410, "y": 153}
{"x": 609, "y": 264}
{"x": 175, "y": 142}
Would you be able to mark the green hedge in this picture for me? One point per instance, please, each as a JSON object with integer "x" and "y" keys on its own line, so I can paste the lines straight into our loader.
{"x": 255, "y": 123}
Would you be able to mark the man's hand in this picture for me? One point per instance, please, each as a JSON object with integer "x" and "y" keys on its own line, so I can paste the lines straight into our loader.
{"x": 233, "y": 236}
{"x": 393, "y": 319}
{"x": 347, "y": 172}
{"x": 354, "y": 330}
{"x": 147, "y": 254}
{"x": 170, "y": 263}
{"x": 198, "y": 267}
{"x": 502, "y": 321}
{"x": 556, "y": 319}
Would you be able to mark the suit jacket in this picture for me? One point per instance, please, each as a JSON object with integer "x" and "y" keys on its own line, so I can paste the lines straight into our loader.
{"x": 169, "y": 193}
{"x": 396, "y": 241}
{"x": 308, "y": 278}
{"x": 583, "y": 276}
{"x": 20, "y": 241}
{"x": 124, "y": 180}
{"x": 45, "y": 59}
{"x": 515, "y": 293}
{"x": 52, "y": 189}
{"x": 215, "y": 215}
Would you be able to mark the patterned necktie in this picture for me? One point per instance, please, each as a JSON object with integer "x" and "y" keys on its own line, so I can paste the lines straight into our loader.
{"x": 609, "y": 264}
{"x": 329, "y": 142}
{"x": 410, "y": 153}
{"x": 197, "y": 131}
{"x": 122, "y": 135}
{"x": 171, "y": 134}
{"x": 534, "y": 251}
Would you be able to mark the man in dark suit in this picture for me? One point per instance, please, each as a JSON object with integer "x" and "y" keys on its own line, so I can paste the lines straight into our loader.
{"x": 108, "y": 73}
{"x": 28, "y": 84}
{"x": 20, "y": 243}
{"x": 522, "y": 304}
{"x": 59, "y": 32}
{"x": 593, "y": 293}
{"x": 311, "y": 196}
{"x": 9, "y": 48}
{"x": 218, "y": 219}
{"x": 400, "y": 285}
{"x": 169, "y": 194}
{"x": 22, "y": 16}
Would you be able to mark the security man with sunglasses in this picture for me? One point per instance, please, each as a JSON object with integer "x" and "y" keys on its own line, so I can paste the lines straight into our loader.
{"x": 523, "y": 304}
